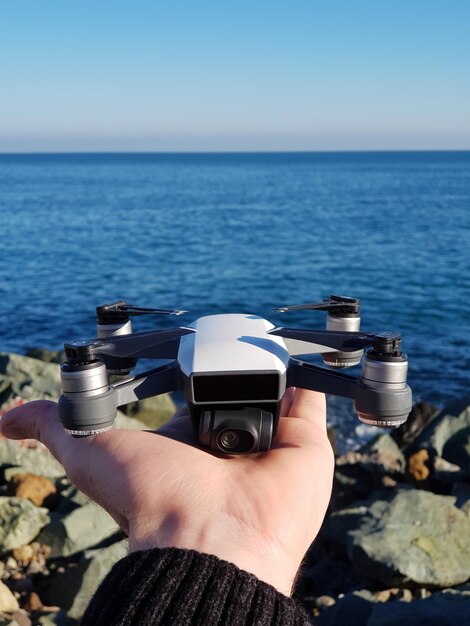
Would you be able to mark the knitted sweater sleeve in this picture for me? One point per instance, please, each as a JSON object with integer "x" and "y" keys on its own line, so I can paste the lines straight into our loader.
{"x": 175, "y": 587}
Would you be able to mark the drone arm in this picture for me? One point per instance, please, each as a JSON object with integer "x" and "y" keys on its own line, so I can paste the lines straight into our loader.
{"x": 316, "y": 378}
{"x": 153, "y": 383}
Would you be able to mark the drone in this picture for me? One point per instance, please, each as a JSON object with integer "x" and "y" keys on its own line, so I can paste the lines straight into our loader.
{"x": 233, "y": 370}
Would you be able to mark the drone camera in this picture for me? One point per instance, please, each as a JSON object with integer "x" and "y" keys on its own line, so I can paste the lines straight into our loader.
{"x": 241, "y": 431}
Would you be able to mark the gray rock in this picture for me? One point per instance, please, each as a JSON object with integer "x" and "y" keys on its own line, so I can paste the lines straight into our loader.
{"x": 36, "y": 460}
{"x": 20, "y": 522}
{"x": 100, "y": 562}
{"x": 454, "y": 418}
{"x": 82, "y": 528}
{"x": 386, "y": 452}
{"x": 360, "y": 514}
{"x": 418, "y": 536}
{"x": 153, "y": 412}
{"x": 28, "y": 378}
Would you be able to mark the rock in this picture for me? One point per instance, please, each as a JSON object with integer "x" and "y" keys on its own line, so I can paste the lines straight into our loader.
{"x": 422, "y": 414}
{"x": 58, "y": 618}
{"x": 32, "y": 602}
{"x": 383, "y": 450}
{"x": 462, "y": 492}
{"x": 82, "y": 528}
{"x": 20, "y": 618}
{"x": 20, "y": 522}
{"x": 418, "y": 466}
{"x": 360, "y": 514}
{"x": 130, "y": 423}
{"x": 322, "y": 602}
{"x": 8, "y": 602}
{"x": 447, "y": 608}
{"x": 100, "y": 562}
{"x": 153, "y": 412}
{"x": 30, "y": 456}
{"x": 441, "y": 465}
{"x": 48, "y": 356}
{"x": 379, "y": 463}
{"x": 457, "y": 448}
{"x": 353, "y": 609}
{"x": 449, "y": 422}
{"x": 24, "y": 554}
{"x": 28, "y": 378}
{"x": 72, "y": 586}
{"x": 35, "y": 488}
{"x": 419, "y": 537}
{"x": 361, "y": 608}
{"x": 62, "y": 584}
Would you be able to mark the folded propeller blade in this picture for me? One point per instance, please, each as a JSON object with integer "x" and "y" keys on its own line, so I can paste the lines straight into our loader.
{"x": 347, "y": 305}
{"x": 159, "y": 344}
{"x": 340, "y": 341}
{"x": 121, "y": 311}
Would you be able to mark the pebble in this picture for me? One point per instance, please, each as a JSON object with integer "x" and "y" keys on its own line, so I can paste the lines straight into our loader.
{"x": 32, "y": 487}
{"x": 324, "y": 601}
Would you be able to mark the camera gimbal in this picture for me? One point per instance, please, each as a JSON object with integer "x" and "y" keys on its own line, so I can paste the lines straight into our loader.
{"x": 234, "y": 370}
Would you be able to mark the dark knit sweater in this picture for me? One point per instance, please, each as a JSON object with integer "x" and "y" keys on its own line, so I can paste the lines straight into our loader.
{"x": 173, "y": 587}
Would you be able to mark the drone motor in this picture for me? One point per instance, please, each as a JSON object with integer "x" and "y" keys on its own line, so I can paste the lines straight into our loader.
{"x": 86, "y": 404}
{"x": 383, "y": 398}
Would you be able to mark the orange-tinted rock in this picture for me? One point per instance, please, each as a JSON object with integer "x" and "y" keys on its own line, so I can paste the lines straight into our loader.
{"x": 417, "y": 466}
{"x": 24, "y": 554}
{"x": 32, "y": 487}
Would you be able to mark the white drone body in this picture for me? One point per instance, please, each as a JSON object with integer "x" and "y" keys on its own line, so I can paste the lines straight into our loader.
{"x": 231, "y": 358}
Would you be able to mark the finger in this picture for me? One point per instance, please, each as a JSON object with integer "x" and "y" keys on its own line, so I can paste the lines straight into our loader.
{"x": 310, "y": 406}
{"x": 287, "y": 400}
{"x": 37, "y": 420}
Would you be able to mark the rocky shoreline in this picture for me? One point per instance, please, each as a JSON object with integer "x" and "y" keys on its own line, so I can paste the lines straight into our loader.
{"x": 394, "y": 548}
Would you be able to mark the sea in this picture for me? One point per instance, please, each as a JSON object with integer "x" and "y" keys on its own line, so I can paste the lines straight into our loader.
{"x": 213, "y": 233}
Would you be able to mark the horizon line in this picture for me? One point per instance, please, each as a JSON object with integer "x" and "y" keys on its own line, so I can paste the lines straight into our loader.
{"x": 249, "y": 151}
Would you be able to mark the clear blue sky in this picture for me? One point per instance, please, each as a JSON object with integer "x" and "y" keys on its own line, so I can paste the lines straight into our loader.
{"x": 234, "y": 75}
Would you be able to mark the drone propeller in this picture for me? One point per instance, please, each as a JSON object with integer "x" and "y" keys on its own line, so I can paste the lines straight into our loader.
{"x": 338, "y": 305}
{"x": 387, "y": 343}
{"x": 341, "y": 341}
{"x": 121, "y": 311}
{"x": 160, "y": 344}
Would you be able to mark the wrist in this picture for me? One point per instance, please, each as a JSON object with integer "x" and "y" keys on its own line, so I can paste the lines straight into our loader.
{"x": 253, "y": 554}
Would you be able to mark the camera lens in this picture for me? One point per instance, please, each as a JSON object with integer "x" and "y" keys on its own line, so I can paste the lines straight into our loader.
{"x": 229, "y": 439}
{"x": 237, "y": 441}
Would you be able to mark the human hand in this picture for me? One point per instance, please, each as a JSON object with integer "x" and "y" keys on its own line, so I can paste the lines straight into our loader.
{"x": 259, "y": 511}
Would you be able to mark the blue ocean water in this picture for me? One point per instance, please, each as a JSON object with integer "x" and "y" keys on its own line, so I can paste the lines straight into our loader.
{"x": 243, "y": 233}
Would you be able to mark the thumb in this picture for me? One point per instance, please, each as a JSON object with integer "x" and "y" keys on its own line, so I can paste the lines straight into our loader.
{"x": 37, "y": 420}
{"x": 310, "y": 406}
